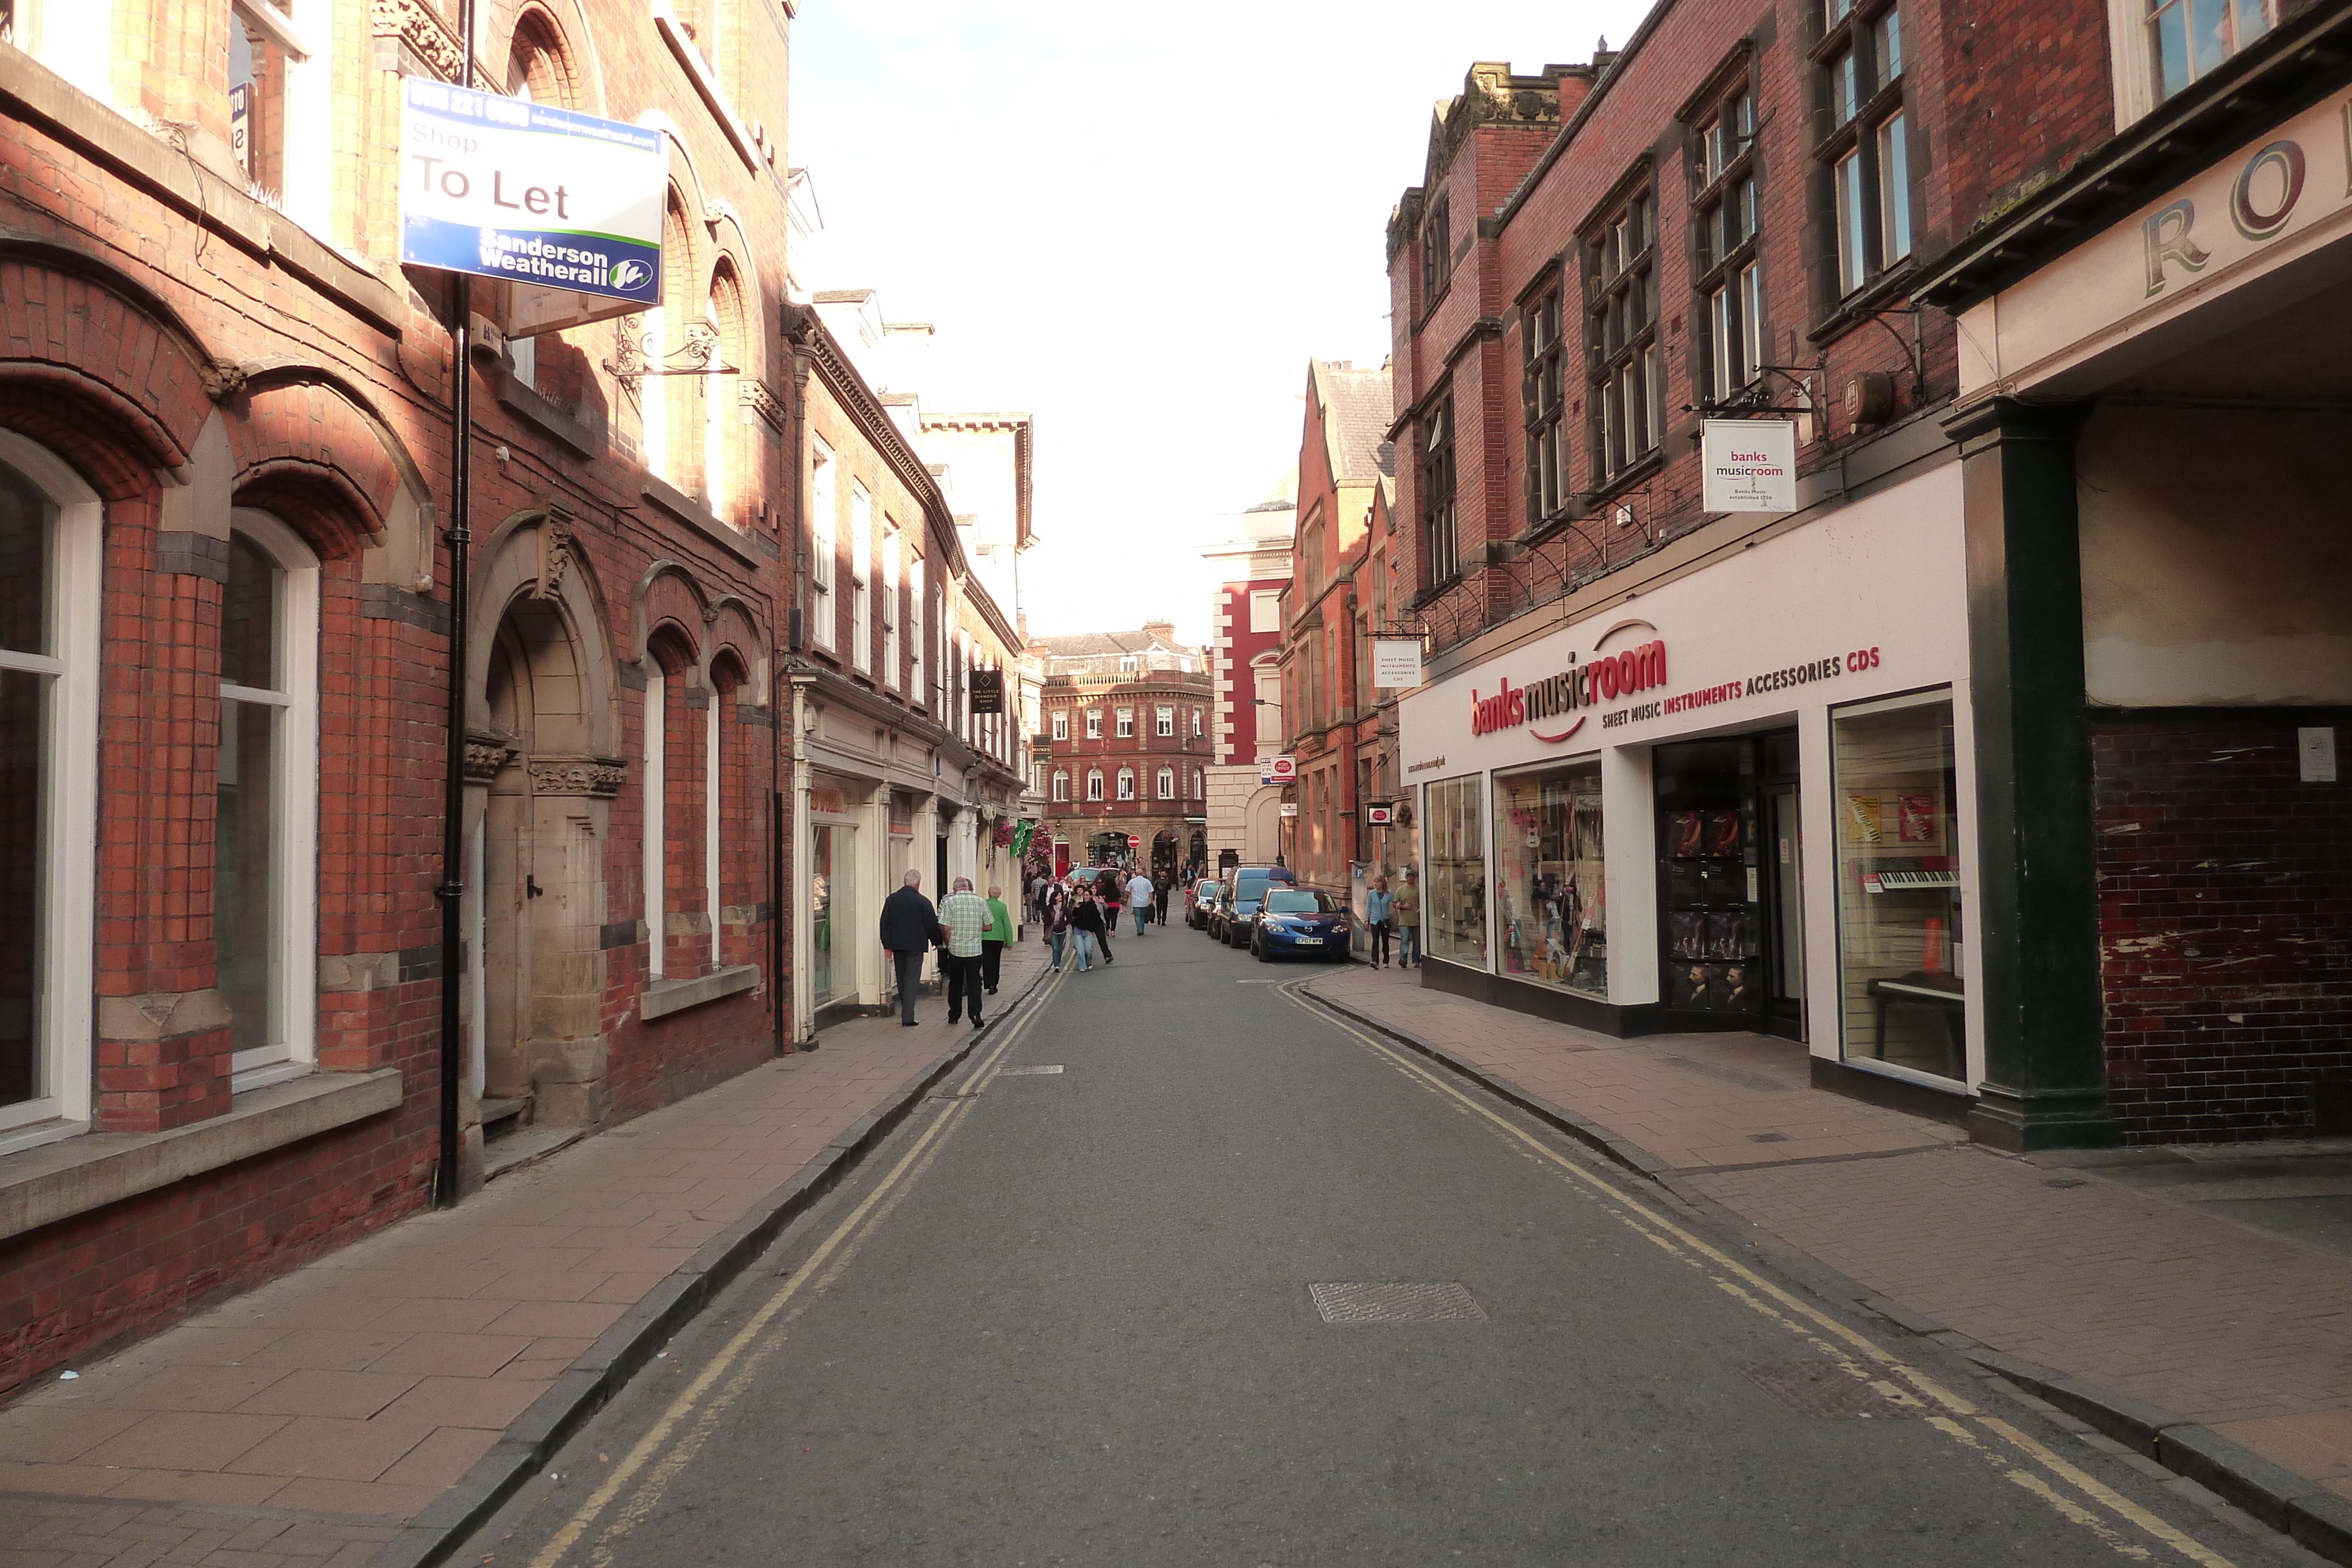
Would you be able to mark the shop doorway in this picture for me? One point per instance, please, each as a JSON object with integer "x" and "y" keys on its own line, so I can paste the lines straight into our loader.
{"x": 1730, "y": 912}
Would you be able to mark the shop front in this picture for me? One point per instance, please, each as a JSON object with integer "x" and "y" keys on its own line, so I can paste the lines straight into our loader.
{"x": 1732, "y": 800}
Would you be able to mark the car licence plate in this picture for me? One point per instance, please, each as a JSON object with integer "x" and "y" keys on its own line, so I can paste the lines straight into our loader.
{"x": 1308, "y": 941}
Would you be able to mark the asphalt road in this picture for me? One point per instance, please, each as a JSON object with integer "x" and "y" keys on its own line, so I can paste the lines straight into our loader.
{"x": 1066, "y": 1318}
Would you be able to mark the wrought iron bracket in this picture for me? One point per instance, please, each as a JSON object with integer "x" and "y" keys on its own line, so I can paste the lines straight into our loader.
{"x": 635, "y": 357}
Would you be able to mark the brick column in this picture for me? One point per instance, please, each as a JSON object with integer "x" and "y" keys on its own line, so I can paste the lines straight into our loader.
{"x": 2045, "y": 1065}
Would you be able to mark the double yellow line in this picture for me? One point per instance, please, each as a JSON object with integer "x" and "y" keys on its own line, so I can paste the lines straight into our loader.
{"x": 670, "y": 1445}
{"x": 2028, "y": 1464}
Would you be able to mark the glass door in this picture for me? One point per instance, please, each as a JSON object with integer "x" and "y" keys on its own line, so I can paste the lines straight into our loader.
{"x": 1784, "y": 862}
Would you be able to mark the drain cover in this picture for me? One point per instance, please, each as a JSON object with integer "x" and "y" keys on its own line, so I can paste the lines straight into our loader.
{"x": 1377, "y": 1301}
{"x": 1818, "y": 1388}
{"x": 1028, "y": 1071}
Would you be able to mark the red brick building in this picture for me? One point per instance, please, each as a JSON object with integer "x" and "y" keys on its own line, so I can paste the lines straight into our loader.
{"x": 1125, "y": 747}
{"x": 224, "y": 455}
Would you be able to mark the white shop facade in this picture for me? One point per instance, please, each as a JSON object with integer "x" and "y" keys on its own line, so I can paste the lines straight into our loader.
{"x": 1739, "y": 798}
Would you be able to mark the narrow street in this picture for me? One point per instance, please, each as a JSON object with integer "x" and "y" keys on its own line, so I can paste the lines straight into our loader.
{"x": 1069, "y": 1314}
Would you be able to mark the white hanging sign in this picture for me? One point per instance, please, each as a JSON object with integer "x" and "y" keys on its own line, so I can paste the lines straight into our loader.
{"x": 1396, "y": 663}
{"x": 1751, "y": 465}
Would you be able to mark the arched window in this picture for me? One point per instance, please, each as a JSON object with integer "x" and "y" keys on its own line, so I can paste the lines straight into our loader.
{"x": 1094, "y": 783}
{"x": 265, "y": 810}
{"x": 1061, "y": 785}
{"x": 49, "y": 559}
{"x": 1127, "y": 783}
{"x": 1168, "y": 783}
{"x": 671, "y": 404}
{"x": 722, "y": 476}
{"x": 1199, "y": 790}
{"x": 539, "y": 69}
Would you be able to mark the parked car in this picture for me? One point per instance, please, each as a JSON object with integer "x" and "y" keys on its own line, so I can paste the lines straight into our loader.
{"x": 1198, "y": 898}
{"x": 1299, "y": 922}
{"x": 1243, "y": 890}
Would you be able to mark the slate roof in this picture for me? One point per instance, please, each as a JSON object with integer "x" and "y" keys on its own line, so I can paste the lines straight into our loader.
{"x": 1359, "y": 407}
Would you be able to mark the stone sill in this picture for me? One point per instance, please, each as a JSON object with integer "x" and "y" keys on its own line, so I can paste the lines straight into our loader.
{"x": 666, "y": 997}
{"x": 56, "y": 1181}
{"x": 697, "y": 516}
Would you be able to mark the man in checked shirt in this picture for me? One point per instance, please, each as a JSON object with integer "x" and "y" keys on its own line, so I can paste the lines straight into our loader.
{"x": 966, "y": 915}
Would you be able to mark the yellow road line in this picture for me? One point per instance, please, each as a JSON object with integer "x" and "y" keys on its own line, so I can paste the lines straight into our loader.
{"x": 1658, "y": 1228}
{"x": 873, "y": 1206}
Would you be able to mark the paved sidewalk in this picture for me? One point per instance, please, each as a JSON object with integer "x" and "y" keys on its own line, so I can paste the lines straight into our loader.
{"x": 2243, "y": 1330}
{"x": 306, "y": 1420}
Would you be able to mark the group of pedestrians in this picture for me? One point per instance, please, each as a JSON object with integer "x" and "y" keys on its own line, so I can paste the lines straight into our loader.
{"x": 1397, "y": 914}
{"x": 970, "y": 930}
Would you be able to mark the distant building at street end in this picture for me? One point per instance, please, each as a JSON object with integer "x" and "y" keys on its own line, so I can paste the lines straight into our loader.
{"x": 1244, "y": 815}
{"x": 1124, "y": 747}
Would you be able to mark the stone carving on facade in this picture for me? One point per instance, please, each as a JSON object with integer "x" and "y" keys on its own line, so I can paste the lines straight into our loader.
{"x": 554, "y": 552}
{"x": 600, "y": 778}
{"x": 414, "y": 23}
{"x": 755, "y": 396}
{"x": 485, "y": 753}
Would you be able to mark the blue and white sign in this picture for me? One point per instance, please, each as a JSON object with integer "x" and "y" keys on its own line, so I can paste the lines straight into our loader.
{"x": 502, "y": 187}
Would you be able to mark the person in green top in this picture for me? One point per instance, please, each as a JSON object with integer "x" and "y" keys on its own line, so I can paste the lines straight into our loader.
{"x": 1404, "y": 911}
{"x": 992, "y": 947}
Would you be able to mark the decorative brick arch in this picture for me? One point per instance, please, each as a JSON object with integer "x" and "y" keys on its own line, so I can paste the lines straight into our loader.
{"x": 99, "y": 370}
{"x": 733, "y": 630}
{"x": 304, "y": 451}
{"x": 668, "y": 595}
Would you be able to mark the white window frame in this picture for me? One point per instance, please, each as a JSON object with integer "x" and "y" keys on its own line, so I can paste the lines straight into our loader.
{"x": 824, "y": 502}
{"x": 1163, "y": 721}
{"x": 714, "y": 426}
{"x": 1167, "y": 782}
{"x": 68, "y": 918}
{"x": 1094, "y": 784}
{"x": 1094, "y": 724}
{"x": 889, "y": 602}
{"x": 1126, "y": 723}
{"x": 1200, "y": 784}
{"x": 861, "y": 594}
{"x": 1127, "y": 783}
{"x": 1196, "y": 724}
{"x": 294, "y": 880}
{"x": 916, "y": 690}
{"x": 656, "y": 831}
{"x": 1266, "y": 610}
{"x": 1061, "y": 784}
{"x": 1061, "y": 724}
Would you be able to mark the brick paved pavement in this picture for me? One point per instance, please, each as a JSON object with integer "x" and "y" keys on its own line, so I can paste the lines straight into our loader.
{"x": 2246, "y": 1331}
{"x": 304, "y": 1421}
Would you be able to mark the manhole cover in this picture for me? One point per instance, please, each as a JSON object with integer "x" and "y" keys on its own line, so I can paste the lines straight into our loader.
{"x": 1388, "y": 1301}
{"x": 1028, "y": 1071}
{"x": 1818, "y": 1389}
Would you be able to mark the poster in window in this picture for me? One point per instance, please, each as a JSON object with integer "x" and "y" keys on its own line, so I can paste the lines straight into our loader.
{"x": 1918, "y": 819}
{"x": 1722, "y": 833}
{"x": 1686, "y": 833}
{"x": 1863, "y": 819}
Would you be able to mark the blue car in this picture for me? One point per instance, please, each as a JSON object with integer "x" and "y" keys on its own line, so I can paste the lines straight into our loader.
{"x": 1229, "y": 922}
{"x": 1301, "y": 922}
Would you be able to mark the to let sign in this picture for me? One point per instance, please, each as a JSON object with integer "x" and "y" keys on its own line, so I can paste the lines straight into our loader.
{"x": 501, "y": 187}
{"x": 1751, "y": 465}
{"x": 1396, "y": 662}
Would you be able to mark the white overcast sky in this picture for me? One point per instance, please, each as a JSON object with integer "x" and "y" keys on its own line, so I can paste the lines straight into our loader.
{"x": 1137, "y": 223}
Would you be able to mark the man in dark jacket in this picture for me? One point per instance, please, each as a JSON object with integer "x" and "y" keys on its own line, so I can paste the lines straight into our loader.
{"x": 909, "y": 928}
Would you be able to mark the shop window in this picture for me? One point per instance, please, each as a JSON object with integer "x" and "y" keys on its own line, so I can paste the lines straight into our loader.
{"x": 1867, "y": 145}
{"x": 1551, "y": 913}
{"x": 1061, "y": 724}
{"x": 1094, "y": 784}
{"x": 1545, "y": 394}
{"x": 822, "y": 500}
{"x": 1061, "y": 785}
{"x": 1622, "y": 336}
{"x": 1164, "y": 720}
{"x": 1168, "y": 783}
{"x": 832, "y": 904}
{"x": 1126, "y": 723}
{"x": 1902, "y": 999}
{"x": 861, "y": 594}
{"x": 49, "y": 538}
{"x": 1127, "y": 783}
{"x": 1438, "y": 517}
{"x": 1454, "y": 913}
{"x": 1708, "y": 878}
{"x": 1094, "y": 724}
{"x": 266, "y": 808}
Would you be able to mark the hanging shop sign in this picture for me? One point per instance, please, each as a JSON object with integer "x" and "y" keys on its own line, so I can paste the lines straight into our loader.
{"x": 1291, "y": 808}
{"x": 1380, "y": 816}
{"x": 1396, "y": 663}
{"x": 501, "y": 187}
{"x": 1283, "y": 769}
{"x": 1751, "y": 465}
{"x": 987, "y": 690}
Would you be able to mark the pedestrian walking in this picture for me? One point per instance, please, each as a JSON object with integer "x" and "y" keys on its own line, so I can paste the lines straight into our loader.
{"x": 1138, "y": 898}
{"x": 1405, "y": 913}
{"x": 992, "y": 947}
{"x": 910, "y": 928}
{"x": 1107, "y": 891}
{"x": 1376, "y": 919}
{"x": 1159, "y": 892}
{"x": 1055, "y": 921}
{"x": 1086, "y": 926}
{"x": 965, "y": 915}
